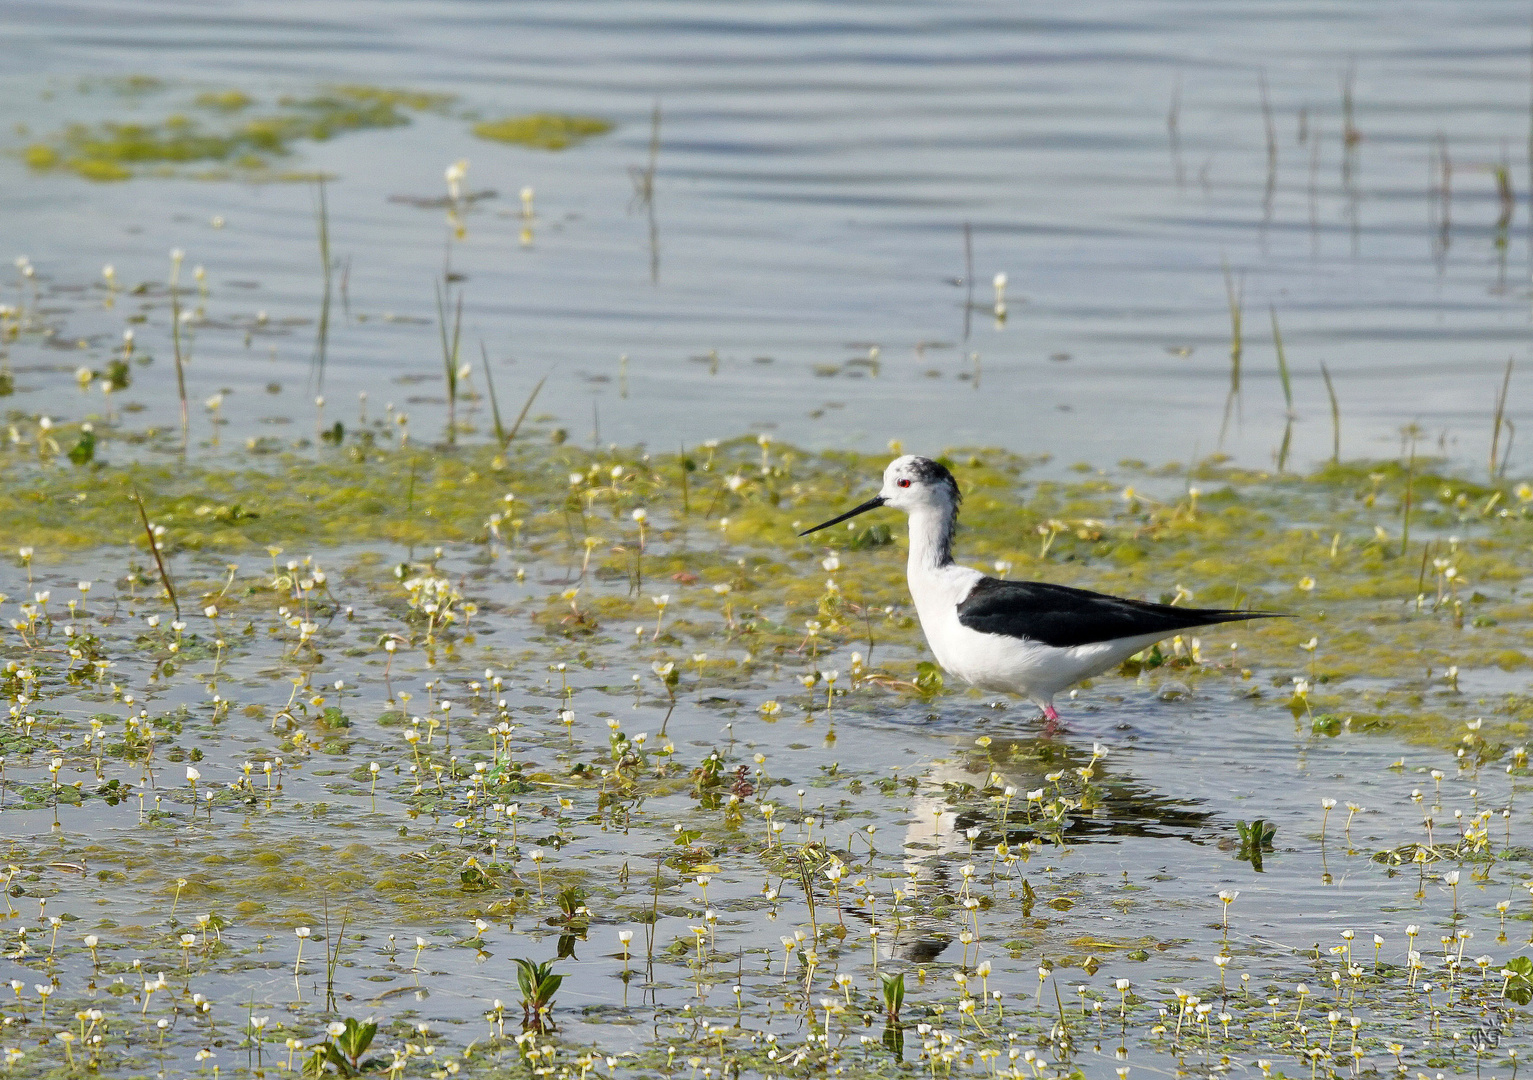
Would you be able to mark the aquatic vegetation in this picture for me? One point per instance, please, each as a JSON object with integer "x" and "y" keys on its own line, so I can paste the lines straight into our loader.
{"x": 237, "y": 135}
{"x": 501, "y": 697}
{"x": 1255, "y": 839}
{"x": 342, "y": 1051}
{"x": 538, "y": 984}
{"x": 224, "y": 100}
{"x": 456, "y": 700}
{"x": 543, "y": 131}
{"x": 1223, "y": 540}
{"x": 252, "y": 146}
{"x": 401, "y": 712}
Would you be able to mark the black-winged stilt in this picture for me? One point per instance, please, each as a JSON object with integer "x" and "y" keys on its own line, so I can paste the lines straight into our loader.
{"x": 1020, "y": 637}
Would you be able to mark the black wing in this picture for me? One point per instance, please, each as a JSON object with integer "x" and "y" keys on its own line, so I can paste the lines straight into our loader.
{"x": 1063, "y": 617}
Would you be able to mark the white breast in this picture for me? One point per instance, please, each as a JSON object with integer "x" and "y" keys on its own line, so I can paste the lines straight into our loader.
{"x": 961, "y": 651}
{"x": 997, "y": 661}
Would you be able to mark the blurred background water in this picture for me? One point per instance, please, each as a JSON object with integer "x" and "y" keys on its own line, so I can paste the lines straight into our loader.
{"x": 817, "y": 166}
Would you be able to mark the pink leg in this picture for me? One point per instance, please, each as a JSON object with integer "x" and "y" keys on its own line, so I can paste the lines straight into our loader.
{"x": 1050, "y": 720}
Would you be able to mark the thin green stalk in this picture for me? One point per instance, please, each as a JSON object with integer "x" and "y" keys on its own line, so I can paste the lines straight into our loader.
{"x": 1498, "y": 420}
{"x": 489, "y": 382}
{"x": 322, "y": 336}
{"x": 1335, "y": 416}
{"x": 1350, "y": 136}
{"x": 653, "y": 920}
{"x": 175, "y": 340}
{"x": 154, "y": 549}
{"x": 450, "y": 358}
{"x": 686, "y": 493}
{"x": 333, "y": 959}
{"x": 527, "y": 405}
{"x": 644, "y": 194}
{"x": 1271, "y": 128}
{"x": 1410, "y": 477}
{"x": 805, "y": 880}
{"x": 1282, "y": 360}
{"x": 1233, "y": 295}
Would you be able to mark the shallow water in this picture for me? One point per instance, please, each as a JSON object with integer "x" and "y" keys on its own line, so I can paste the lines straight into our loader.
{"x": 817, "y": 166}
{"x": 1110, "y": 876}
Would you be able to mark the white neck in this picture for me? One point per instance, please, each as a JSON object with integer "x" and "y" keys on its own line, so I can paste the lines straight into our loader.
{"x": 931, "y": 539}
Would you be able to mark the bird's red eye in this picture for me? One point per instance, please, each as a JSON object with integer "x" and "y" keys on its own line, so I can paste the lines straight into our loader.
{"x": 903, "y": 483}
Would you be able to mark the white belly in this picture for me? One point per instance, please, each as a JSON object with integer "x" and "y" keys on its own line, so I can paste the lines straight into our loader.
{"x": 999, "y": 662}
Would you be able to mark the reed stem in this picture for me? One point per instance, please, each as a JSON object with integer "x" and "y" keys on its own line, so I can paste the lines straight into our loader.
{"x": 154, "y": 550}
{"x": 1282, "y": 361}
{"x": 1335, "y": 416}
{"x": 1498, "y": 419}
{"x": 175, "y": 341}
{"x": 526, "y": 406}
{"x": 450, "y": 357}
{"x": 489, "y": 382}
{"x": 322, "y": 335}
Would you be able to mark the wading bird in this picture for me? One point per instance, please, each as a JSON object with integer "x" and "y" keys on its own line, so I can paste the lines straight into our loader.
{"x": 1029, "y": 638}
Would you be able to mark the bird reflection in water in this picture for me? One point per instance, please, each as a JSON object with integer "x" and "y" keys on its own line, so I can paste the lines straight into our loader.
{"x": 1058, "y": 795}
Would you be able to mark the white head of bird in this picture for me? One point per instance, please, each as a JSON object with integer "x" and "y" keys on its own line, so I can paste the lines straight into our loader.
{"x": 917, "y": 484}
{"x": 925, "y": 490}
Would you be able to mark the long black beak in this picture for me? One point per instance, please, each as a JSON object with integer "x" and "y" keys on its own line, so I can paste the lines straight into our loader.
{"x": 872, "y": 504}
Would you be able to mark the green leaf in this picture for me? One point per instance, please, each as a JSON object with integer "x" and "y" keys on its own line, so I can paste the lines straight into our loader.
{"x": 85, "y": 450}
{"x": 1519, "y": 985}
{"x": 548, "y": 987}
{"x": 357, "y": 1037}
{"x": 526, "y": 978}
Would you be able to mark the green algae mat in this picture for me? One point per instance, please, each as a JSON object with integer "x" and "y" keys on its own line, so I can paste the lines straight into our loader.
{"x": 224, "y": 134}
{"x": 458, "y": 759}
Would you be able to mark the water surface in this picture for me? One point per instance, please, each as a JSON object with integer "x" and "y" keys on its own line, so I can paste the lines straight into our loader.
{"x": 817, "y": 167}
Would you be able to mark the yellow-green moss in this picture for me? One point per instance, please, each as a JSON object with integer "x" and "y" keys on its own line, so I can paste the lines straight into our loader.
{"x": 543, "y": 131}
{"x": 225, "y": 100}
{"x": 118, "y": 151}
{"x": 1309, "y": 546}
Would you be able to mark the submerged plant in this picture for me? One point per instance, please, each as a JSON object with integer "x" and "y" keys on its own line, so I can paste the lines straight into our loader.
{"x": 1255, "y": 839}
{"x": 894, "y": 995}
{"x": 538, "y": 984}
{"x": 342, "y": 1051}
